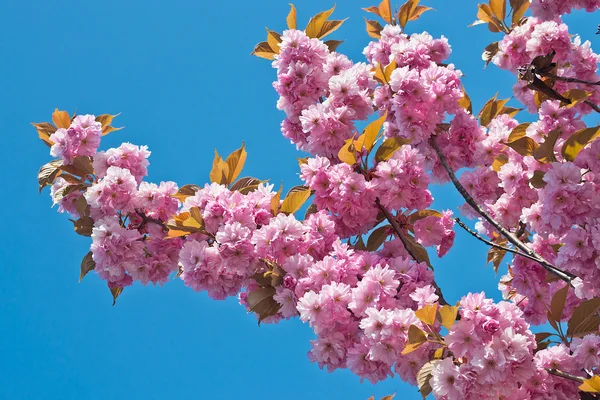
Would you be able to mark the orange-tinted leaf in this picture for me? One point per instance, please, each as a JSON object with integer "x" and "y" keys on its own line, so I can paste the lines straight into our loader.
{"x": 87, "y": 265}
{"x": 374, "y": 28}
{"x": 242, "y": 183}
{"x": 537, "y": 180}
{"x": 519, "y": 9}
{"x": 490, "y": 51}
{"x": 576, "y": 96}
{"x": 83, "y": 226}
{"x": 370, "y": 133}
{"x": 525, "y": 146}
{"x": 584, "y": 319}
{"x": 417, "y": 215}
{"x": 491, "y": 110}
{"x": 235, "y": 163}
{"x": 61, "y": 119}
{"x": 427, "y": 314}
{"x": 385, "y": 11}
{"x": 518, "y": 132}
{"x": 220, "y": 170}
{"x": 418, "y": 11}
{"x": 557, "y": 304}
{"x": 591, "y": 385}
{"x": 545, "y": 153}
{"x": 498, "y": 8}
{"x": 377, "y": 237}
{"x": 291, "y": 18}
{"x": 448, "y": 315}
{"x": 315, "y": 24}
{"x": 577, "y": 141}
{"x": 273, "y": 38}
{"x": 332, "y": 45}
{"x": 294, "y": 200}
{"x": 186, "y": 191}
{"x": 499, "y": 161}
{"x": 465, "y": 102}
{"x": 347, "y": 153}
{"x": 48, "y": 173}
{"x": 424, "y": 375}
{"x": 389, "y": 147}
{"x": 116, "y": 292}
{"x": 406, "y": 11}
{"x": 416, "y": 338}
{"x": 44, "y": 130}
{"x": 263, "y": 50}
{"x": 262, "y": 303}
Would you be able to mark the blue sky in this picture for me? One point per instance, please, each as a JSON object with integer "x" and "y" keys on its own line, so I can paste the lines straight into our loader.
{"x": 181, "y": 74}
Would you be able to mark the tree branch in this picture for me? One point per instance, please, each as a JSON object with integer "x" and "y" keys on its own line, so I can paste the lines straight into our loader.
{"x": 556, "y": 372}
{"x": 515, "y": 241}
{"x": 566, "y": 79}
{"x": 484, "y": 240}
{"x": 400, "y": 235}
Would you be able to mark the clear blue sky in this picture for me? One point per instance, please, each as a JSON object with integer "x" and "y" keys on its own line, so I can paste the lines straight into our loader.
{"x": 181, "y": 74}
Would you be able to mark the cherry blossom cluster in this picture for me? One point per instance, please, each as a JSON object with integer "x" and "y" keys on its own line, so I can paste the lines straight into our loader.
{"x": 363, "y": 301}
{"x": 550, "y": 9}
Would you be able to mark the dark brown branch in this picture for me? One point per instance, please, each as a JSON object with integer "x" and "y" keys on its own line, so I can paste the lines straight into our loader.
{"x": 400, "y": 235}
{"x": 566, "y": 79}
{"x": 594, "y": 106}
{"x": 146, "y": 219}
{"x": 515, "y": 241}
{"x": 484, "y": 240}
{"x": 556, "y": 372}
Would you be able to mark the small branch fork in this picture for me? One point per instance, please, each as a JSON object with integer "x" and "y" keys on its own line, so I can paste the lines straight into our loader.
{"x": 484, "y": 240}
{"x": 390, "y": 218}
{"x": 514, "y": 240}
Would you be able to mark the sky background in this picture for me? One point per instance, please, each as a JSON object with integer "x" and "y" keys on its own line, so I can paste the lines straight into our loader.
{"x": 181, "y": 75}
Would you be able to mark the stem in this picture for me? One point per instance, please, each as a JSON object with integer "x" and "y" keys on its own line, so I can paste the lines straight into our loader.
{"x": 594, "y": 106}
{"x": 559, "y": 373}
{"x": 466, "y": 228}
{"x": 398, "y": 232}
{"x": 566, "y": 79}
{"x": 515, "y": 241}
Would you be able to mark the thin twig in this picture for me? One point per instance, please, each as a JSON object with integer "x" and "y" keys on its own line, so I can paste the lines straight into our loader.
{"x": 594, "y": 106}
{"x": 559, "y": 373}
{"x": 515, "y": 241}
{"x": 398, "y": 232}
{"x": 484, "y": 240}
{"x": 566, "y": 79}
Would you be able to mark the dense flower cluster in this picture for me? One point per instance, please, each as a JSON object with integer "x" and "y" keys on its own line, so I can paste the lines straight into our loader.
{"x": 362, "y": 301}
{"x": 549, "y": 9}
